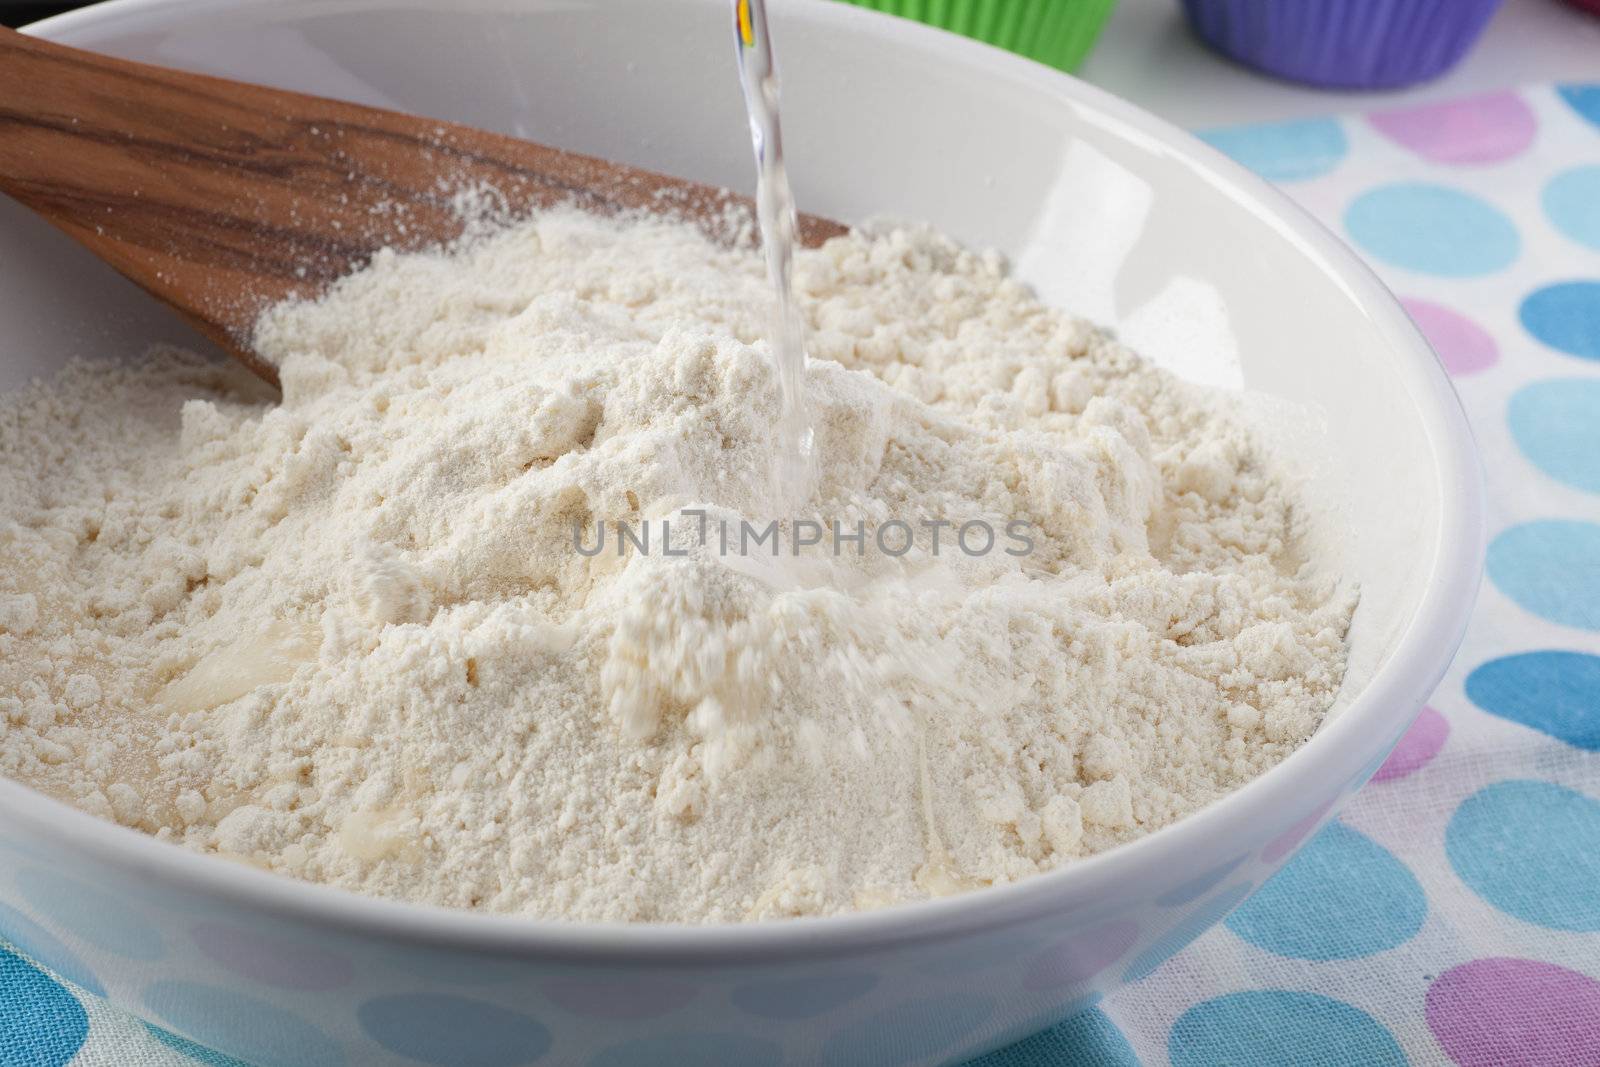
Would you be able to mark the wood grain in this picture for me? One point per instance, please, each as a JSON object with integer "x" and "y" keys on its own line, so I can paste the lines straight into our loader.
{"x": 220, "y": 198}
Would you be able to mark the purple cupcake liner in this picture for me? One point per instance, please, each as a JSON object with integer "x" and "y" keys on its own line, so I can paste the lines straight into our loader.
{"x": 1343, "y": 44}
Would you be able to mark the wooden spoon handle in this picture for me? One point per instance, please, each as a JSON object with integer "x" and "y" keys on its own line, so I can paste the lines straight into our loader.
{"x": 220, "y": 198}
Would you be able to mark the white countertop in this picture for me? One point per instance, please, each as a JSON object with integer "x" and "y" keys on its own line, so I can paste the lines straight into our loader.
{"x": 1148, "y": 56}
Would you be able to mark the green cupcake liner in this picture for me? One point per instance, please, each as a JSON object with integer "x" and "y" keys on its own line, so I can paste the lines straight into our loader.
{"x": 1057, "y": 32}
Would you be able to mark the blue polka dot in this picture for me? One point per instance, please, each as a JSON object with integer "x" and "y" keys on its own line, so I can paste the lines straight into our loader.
{"x": 1284, "y": 151}
{"x": 1557, "y": 426}
{"x": 1273, "y": 1026}
{"x": 1341, "y": 897}
{"x": 41, "y": 1024}
{"x": 1200, "y": 885}
{"x": 1565, "y": 316}
{"x": 1583, "y": 98}
{"x": 1188, "y": 929}
{"x": 457, "y": 968}
{"x": 91, "y": 915}
{"x": 198, "y": 1053}
{"x": 1531, "y": 849}
{"x": 1433, "y": 229}
{"x": 1042, "y": 1021}
{"x": 453, "y": 1031}
{"x": 255, "y": 1031}
{"x": 712, "y": 1050}
{"x": 1572, "y": 201}
{"x": 35, "y": 941}
{"x": 1551, "y": 568}
{"x": 803, "y": 998}
{"x": 909, "y": 1033}
{"x": 1085, "y": 1039}
{"x": 1556, "y": 693}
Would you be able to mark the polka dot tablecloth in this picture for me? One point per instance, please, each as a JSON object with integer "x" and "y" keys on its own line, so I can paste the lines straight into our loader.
{"x": 1452, "y": 914}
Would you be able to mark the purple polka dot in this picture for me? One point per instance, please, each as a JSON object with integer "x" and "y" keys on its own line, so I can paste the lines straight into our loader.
{"x": 1290, "y": 839}
{"x": 1497, "y": 1011}
{"x": 1419, "y": 745}
{"x": 1477, "y": 129}
{"x": 619, "y": 999}
{"x": 1081, "y": 956}
{"x": 1463, "y": 345}
{"x": 271, "y": 960}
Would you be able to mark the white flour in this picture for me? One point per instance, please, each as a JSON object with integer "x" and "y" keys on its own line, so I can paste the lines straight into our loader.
{"x": 349, "y": 636}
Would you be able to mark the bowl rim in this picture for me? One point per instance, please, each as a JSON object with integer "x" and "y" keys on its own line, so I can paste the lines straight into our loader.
{"x": 1417, "y": 662}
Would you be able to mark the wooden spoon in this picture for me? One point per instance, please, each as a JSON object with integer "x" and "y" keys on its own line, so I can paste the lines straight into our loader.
{"x": 221, "y": 198}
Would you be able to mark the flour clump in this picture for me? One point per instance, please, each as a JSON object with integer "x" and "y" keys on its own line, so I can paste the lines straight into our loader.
{"x": 400, "y": 632}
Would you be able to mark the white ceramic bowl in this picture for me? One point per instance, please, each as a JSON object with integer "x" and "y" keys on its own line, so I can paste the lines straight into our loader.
{"x": 1108, "y": 212}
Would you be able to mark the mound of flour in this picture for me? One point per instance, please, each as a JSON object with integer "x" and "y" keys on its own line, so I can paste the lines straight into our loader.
{"x": 351, "y": 637}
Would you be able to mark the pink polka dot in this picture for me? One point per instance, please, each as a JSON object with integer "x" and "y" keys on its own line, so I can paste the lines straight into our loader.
{"x": 270, "y": 960}
{"x": 1492, "y": 1012}
{"x": 1081, "y": 956}
{"x": 619, "y": 999}
{"x": 1290, "y": 839}
{"x": 1476, "y": 129}
{"x": 1463, "y": 345}
{"x": 1420, "y": 744}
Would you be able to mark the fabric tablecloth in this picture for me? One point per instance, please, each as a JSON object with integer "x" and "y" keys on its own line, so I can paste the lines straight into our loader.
{"x": 1452, "y": 913}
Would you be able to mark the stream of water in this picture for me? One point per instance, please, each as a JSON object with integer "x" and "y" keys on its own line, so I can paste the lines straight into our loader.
{"x": 775, "y": 214}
